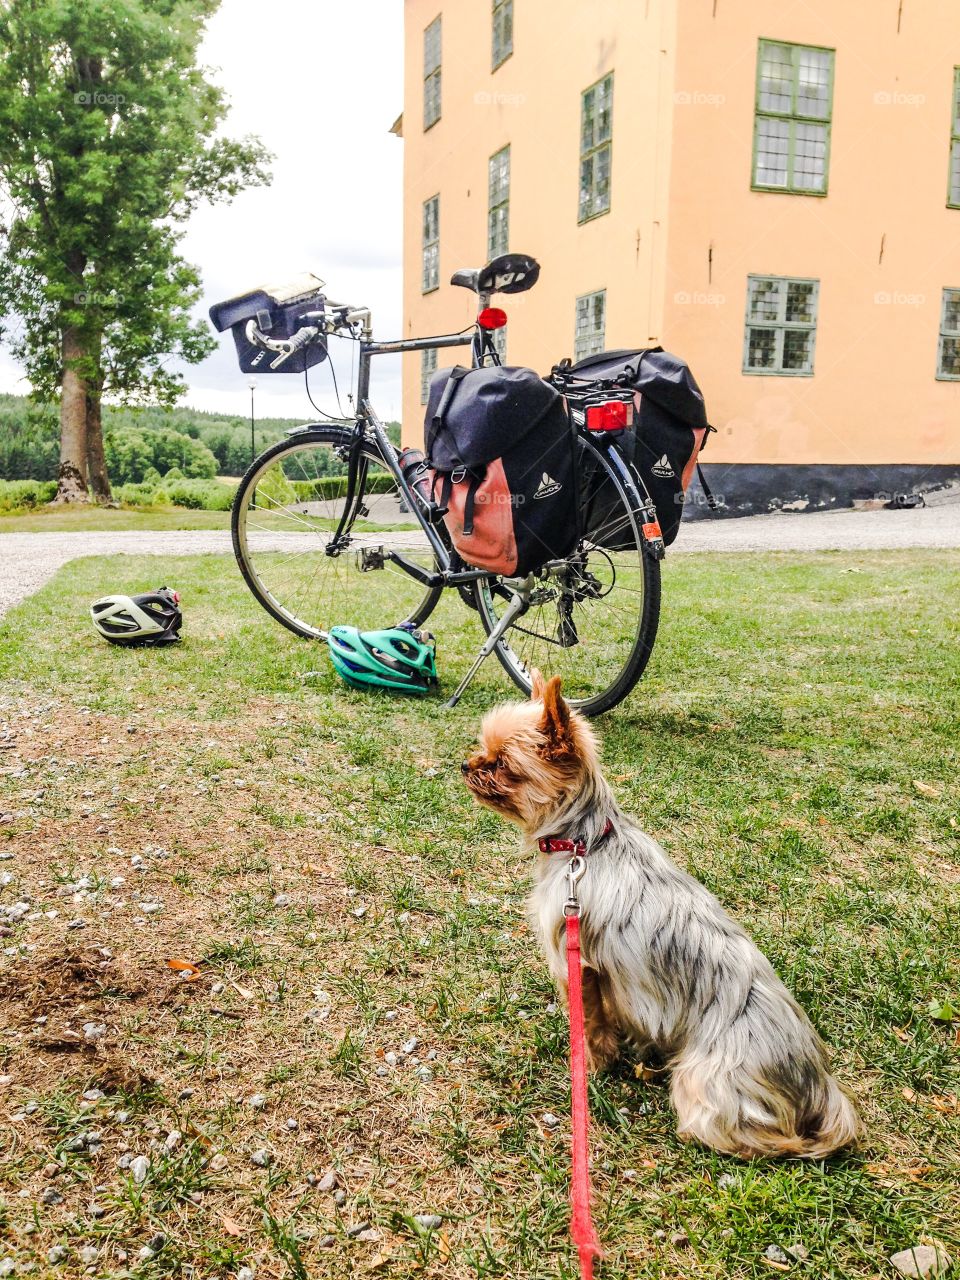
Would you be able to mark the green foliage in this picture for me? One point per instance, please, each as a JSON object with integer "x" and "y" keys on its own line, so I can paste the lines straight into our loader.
{"x": 108, "y": 142}
{"x": 18, "y": 495}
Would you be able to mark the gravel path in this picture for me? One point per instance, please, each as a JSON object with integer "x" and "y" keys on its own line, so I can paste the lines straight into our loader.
{"x": 27, "y": 560}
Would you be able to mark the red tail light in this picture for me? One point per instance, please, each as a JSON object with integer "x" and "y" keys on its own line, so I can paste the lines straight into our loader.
{"x": 613, "y": 415}
{"x": 492, "y": 318}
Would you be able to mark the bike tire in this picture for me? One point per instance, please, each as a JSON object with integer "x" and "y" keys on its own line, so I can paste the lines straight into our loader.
{"x": 337, "y": 438}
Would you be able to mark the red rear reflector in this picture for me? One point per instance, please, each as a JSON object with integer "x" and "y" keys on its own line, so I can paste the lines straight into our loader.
{"x": 492, "y": 318}
{"x": 652, "y": 530}
{"x": 615, "y": 415}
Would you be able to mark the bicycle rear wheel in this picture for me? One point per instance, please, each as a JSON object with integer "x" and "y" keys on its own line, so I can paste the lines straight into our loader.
{"x": 593, "y": 618}
{"x": 285, "y": 513}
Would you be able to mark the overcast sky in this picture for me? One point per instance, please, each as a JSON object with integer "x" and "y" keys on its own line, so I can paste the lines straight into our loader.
{"x": 320, "y": 82}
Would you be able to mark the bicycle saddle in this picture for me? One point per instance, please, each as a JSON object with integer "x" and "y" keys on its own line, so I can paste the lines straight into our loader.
{"x": 510, "y": 273}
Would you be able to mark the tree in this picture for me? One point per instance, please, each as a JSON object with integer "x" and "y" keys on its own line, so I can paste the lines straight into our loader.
{"x": 107, "y": 145}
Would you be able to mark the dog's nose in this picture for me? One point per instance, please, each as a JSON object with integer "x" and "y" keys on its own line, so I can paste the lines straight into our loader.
{"x": 465, "y": 767}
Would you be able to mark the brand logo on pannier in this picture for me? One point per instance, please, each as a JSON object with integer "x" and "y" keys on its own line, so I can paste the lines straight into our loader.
{"x": 663, "y": 468}
{"x": 547, "y": 486}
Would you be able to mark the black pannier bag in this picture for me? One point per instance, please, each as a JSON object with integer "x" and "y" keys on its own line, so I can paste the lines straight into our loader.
{"x": 278, "y": 311}
{"x": 669, "y": 430}
{"x": 500, "y": 448}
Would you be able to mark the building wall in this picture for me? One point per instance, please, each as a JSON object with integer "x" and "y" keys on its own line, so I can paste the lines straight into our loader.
{"x": 685, "y": 229}
{"x": 532, "y": 101}
{"x": 882, "y": 241}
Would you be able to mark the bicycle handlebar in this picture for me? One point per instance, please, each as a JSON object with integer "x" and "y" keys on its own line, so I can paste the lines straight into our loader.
{"x": 336, "y": 318}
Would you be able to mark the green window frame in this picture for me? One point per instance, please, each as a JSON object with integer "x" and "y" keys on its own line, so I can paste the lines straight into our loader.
{"x": 953, "y": 191}
{"x": 793, "y": 117}
{"x": 948, "y": 351}
{"x": 498, "y": 208}
{"x": 502, "y": 31}
{"x": 590, "y": 324}
{"x": 596, "y": 149}
{"x": 428, "y": 367}
{"x": 430, "y": 278}
{"x": 431, "y": 73}
{"x": 781, "y": 326}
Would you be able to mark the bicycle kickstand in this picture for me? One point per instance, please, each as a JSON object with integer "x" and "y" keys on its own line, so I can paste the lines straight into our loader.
{"x": 516, "y": 606}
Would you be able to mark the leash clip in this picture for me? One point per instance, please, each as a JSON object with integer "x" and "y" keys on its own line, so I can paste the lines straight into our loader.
{"x": 575, "y": 871}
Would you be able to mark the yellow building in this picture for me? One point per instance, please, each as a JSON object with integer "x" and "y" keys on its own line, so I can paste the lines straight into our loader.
{"x": 770, "y": 191}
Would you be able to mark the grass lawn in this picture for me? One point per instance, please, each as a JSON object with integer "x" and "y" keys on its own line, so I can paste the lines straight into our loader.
{"x": 84, "y": 519}
{"x": 371, "y": 1020}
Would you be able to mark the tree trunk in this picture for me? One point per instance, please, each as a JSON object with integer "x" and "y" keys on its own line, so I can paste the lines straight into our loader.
{"x": 71, "y": 485}
{"x": 96, "y": 462}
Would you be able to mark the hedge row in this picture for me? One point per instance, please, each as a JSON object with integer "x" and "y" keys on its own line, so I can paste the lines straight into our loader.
{"x": 17, "y": 495}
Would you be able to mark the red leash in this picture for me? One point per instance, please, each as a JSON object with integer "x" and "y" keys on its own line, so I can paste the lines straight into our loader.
{"x": 581, "y": 1224}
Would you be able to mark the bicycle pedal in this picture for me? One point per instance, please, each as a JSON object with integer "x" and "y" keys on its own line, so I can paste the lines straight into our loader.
{"x": 370, "y": 558}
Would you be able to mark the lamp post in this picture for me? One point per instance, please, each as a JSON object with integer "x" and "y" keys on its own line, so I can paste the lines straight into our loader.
{"x": 252, "y": 384}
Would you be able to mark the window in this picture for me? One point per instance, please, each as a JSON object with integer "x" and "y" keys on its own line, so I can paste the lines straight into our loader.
{"x": 794, "y": 102}
{"x": 428, "y": 367}
{"x": 948, "y": 362}
{"x": 954, "y": 197}
{"x": 498, "y": 217}
{"x": 591, "y": 320}
{"x": 502, "y": 31}
{"x": 431, "y": 73}
{"x": 781, "y": 325}
{"x": 596, "y": 132}
{"x": 431, "y": 244}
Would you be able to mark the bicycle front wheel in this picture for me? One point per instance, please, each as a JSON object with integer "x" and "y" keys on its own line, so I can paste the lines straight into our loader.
{"x": 592, "y": 619}
{"x": 286, "y": 511}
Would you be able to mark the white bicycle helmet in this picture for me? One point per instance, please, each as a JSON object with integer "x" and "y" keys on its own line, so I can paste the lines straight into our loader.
{"x": 154, "y": 618}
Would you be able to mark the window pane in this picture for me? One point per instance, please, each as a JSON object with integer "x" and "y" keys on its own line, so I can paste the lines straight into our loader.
{"x": 765, "y": 299}
{"x": 605, "y": 109}
{"x": 951, "y": 311}
{"x": 431, "y": 99}
{"x": 955, "y": 173}
{"x": 431, "y": 267}
{"x": 431, "y": 47}
{"x": 590, "y": 324}
{"x": 950, "y": 357}
{"x": 776, "y": 77}
{"x": 813, "y": 83}
{"x": 428, "y": 367}
{"x": 773, "y": 145}
{"x": 956, "y": 100}
{"x": 800, "y": 302}
{"x": 797, "y": 347}
{"x": 810, "y": 156}
{"x": 601, "y": 179}
{"x": 497, "y": 231}
{"x": 502, "y": 30}
{"x": 761, "y": 348}
{"x": 499, "y": 176}
{"x": 431, "y": 219}
{"x": 586, "y": 186}
{"x": 588, "y": 120}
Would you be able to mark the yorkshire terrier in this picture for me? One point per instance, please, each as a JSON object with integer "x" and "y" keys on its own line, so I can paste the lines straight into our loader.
{"x": 663, "y": 963}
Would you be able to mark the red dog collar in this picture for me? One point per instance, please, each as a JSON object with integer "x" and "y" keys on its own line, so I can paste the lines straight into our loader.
{"x": 554, "y": 844}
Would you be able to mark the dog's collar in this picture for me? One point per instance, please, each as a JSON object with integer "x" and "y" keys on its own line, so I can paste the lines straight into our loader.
{"x": 554, "y": 844}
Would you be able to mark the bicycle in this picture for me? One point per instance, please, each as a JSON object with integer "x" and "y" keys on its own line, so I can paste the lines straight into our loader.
{"x": 329, "y": 526}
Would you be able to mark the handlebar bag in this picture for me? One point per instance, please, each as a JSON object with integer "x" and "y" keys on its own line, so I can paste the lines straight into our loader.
{"x": 670, "y": 428}
{"x": 500, "y": 448}
{"x": 278, "y": 311}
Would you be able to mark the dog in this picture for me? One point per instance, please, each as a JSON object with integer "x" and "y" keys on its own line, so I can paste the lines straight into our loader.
{"x": 663, "y": 963}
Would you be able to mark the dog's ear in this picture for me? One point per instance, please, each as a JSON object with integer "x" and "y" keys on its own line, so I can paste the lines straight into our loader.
{"x": 536, "y": 693}
{"x": 556, "y": 720}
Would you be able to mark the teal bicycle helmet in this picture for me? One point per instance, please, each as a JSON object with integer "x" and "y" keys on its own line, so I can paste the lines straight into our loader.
{"x": 399, "y": 658}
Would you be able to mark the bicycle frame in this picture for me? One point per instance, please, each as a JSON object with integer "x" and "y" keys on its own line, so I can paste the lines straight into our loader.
{"x": 367, "y": 421}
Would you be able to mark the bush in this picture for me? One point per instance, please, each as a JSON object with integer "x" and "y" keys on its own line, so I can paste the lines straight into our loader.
{"x": 15, "y": 495}
{"x": 202, "y": 495}
{"x": 131, "y": 454}
{"x": 145, "y": 494}
{"x": 336, "y": 487}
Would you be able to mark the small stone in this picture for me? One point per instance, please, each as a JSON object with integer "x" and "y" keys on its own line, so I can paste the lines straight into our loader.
{"x": 257, "y": 1101}
{"x": 217, "y": 989}
{"x": 773, "y": 1253}
{"x": 328, "y": 1181}
{"x": 797, "y": 1251}
{"x": 219, "y": 1162}
{"x": 145, "y": 1254}
{"x": 390, "y": 1058}
{"x": 156, "y": 1243}
{"x": 382, "y": 1071}
{"x": 96, "y": 1210}
{"x": 679, "y": 1239}
{"x": 94, "y": 1030}
{"x": 292, "y": 1125}
{"x": 428, "y": 1221}
{"x": 76, "y": 924}
{"x": 93, "y": 1095}
{"x": 369, "y": 1235}
{"x": 549, "y": 1120}
{"x": 150, "y": 908}
{"x": 282, "y": 900}
{"x": 59, "y": 1253}
{"x": 88, "y": 1255}
{"x": 727, "y": 1181}
{"x": 920, "y": 1261}
{"x": 245, "y": 1273}
{"x": 185, "y": 1094}
{"x": 261, "y": 1158}
{"x": 7, "y": 1266}
{"x": 326, "y": 1242}
{"x": 660, "y": 1235}
{"x": 726, "y": 1233}
{"x": 339, "y": 1197}
{"x": 390, "y": 1015}
{"x": 139, "y": 1168}
{"x": 172, "y": 1140}
{"x": 51, "y": 1196}
{"x": 359, "y": 912}
{"x": 123, "y": 1117}
{"x": 424, "y": 1073}
{"x": 408, "y": 1046}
